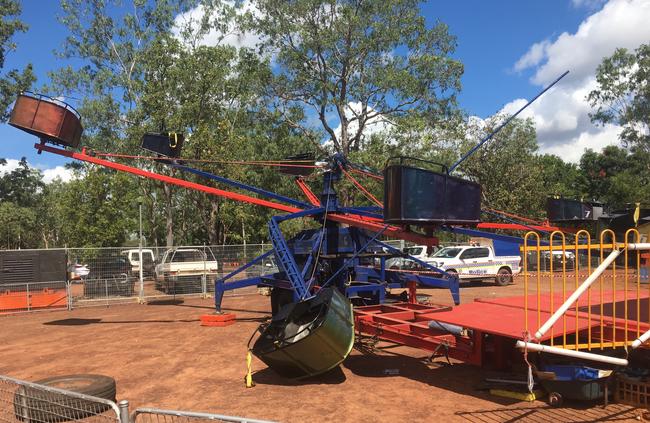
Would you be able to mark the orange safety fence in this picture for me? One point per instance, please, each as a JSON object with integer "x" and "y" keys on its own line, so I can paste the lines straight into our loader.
{"x": 611, "y": 313}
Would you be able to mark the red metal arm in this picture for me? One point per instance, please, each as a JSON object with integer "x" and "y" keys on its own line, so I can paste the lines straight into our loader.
{"x": 313, "y": 199}
{"x": 517, "y": 227}
{"x": 168, "y": 179}
{"x": 352, "y": 220}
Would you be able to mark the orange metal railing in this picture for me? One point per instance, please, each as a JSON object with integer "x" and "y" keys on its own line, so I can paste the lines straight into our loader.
{"x": 609, "y": 313}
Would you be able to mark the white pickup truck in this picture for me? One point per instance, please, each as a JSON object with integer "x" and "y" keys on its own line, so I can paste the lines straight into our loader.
{"x": 183, "y": 270}
{"x": 476, "y": 262}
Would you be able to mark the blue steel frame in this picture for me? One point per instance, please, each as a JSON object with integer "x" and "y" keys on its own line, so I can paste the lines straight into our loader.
{"x": 367, "y": 279}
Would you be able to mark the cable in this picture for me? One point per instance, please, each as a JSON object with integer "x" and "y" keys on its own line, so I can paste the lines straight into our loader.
{"x": 367, "y": 193}
{"x": 514, "y": 216}
{"x": 322, "y": 236}
{"x": 280, "y": 163}
{"x": 368, "y": 174}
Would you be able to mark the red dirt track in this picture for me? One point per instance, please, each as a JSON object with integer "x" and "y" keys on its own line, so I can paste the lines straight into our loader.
{"x": 161, "y": 357}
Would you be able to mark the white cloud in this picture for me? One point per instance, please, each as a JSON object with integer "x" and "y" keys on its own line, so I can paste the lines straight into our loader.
{"x": 561, "y": 115}
{"x": 232, "y": 35}
{"x": 49, "y": 174}
{"x": 12, "y": 164}
{"x": 573, "y": 150}
{"x": 535, "y": 54}
{"x": 589, "y": 4}
{"x": 374, "y": 125}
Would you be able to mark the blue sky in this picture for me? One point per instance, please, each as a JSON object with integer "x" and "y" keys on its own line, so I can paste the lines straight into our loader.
{"x": 510, "y": 49}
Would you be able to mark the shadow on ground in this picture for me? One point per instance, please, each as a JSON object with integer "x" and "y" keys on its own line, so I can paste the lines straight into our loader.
{"x": 572, "y": 413}
{"x": 82, "y": 322}
{"x": 461, "y": 378}
{"x": 269, "y": 377}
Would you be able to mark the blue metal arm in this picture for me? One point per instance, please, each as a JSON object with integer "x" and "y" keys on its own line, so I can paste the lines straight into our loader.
{"x": 242, "y": 186}
{"x": 489, "y": 235}
{"x": 361, "y": 212}
{"x": 500, "y": 127}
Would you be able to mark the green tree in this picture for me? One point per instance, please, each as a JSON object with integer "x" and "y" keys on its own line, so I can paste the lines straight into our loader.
{"x": 623, "y": 95}
{"x": 353, "y": 62}
{"x": 20, "y": 196}
{"x": 558, "y": 177}
{"x": 99, "y": 209}
{"x": 111, "y": 37}
{"x": 214, "y": 95}
{"x": 22, "y": 185}
{"x": 616, "y": 176}
{"x": 14, "y": 80}
{"x": 506, "y": 167}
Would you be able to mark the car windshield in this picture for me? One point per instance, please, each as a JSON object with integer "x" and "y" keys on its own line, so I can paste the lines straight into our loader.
{"x": 192, "y": 255}
{"x": 413, "y": 251}
{"x": 447, "y": 252}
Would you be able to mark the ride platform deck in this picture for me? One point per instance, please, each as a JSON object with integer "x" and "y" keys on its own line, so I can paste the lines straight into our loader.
{"x": 504, "y": 319}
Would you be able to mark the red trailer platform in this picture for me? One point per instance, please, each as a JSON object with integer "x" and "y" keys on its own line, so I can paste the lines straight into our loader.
{"x": 486, "y": 330}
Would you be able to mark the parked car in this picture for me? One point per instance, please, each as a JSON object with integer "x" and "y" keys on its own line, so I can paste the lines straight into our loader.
{"x": 420, "y": 252}
{"x": 77, "y": 271}
{"x": 477, "y": 262}
{"x": 109, "y": 276}
{"x": 266, "y": 267}
{"x": 561, "y": 260}
{"x": 184, "y": 270}
{"x": 133, "y": 256}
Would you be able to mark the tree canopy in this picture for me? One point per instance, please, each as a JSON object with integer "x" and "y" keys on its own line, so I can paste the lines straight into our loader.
{"x": 623, "y": 95}
{"x": 371, "y": 80}
{"x": 355, "y": 62}
{"x": 14, "y": 80}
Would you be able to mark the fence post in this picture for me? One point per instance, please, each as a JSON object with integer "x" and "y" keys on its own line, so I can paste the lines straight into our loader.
{"x": 68, "y": 292}
{"x": 124, "y": 411}
{"x": 29, "y": 300}
{"x": 204, "y": 284}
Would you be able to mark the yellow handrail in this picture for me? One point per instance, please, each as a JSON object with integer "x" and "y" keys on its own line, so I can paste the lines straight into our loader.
{"x": 576, "y": 267}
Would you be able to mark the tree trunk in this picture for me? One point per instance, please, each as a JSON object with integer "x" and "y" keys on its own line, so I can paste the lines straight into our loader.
{"x": 213, "y": 221}
{"x": 169, "y": 226}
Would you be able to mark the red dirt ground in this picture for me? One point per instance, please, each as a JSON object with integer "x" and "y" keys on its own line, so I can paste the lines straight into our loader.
{"x": 161, "y": 357}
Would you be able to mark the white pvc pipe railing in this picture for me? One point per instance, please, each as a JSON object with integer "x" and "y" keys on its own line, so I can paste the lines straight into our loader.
{"x": 639, "y": 246}
{"x": 531, "y": 346}
{"x": 576, "y": 294}
{"x": 641, "y": 340}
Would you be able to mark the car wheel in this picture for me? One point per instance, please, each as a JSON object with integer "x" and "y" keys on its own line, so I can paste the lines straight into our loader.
{"x": 555, "y": 399}
{"x": 504, "y": 277}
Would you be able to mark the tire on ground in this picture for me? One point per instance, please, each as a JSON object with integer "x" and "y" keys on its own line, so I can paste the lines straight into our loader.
{"x": 36, "y": 404}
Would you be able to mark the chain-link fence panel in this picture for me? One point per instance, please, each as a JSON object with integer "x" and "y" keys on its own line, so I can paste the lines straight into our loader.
{"x": 154, "y": 415}
{"x": 28, "y": 402}
{"x": 104, "y": 276}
